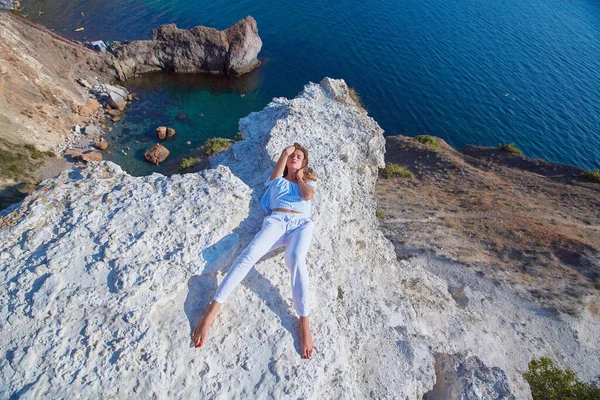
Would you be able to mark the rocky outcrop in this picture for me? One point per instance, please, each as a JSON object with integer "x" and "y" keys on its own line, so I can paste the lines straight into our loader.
{"x": 106, "y": 274}
{"x": 459, "y": 377}
{"x": 121, "y": 287}
{"x": 232, "y": 51}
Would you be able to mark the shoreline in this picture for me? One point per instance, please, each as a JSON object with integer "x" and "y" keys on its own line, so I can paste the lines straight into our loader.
{"x": 76, "y": 142}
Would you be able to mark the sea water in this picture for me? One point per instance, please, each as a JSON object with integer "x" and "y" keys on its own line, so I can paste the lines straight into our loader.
{"x": 471, "y": 72}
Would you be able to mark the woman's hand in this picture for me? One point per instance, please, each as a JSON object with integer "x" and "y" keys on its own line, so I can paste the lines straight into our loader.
{"x": 288, "y": 151}
{"x": 306, "y": 191}
{"x": 280, "y": 166}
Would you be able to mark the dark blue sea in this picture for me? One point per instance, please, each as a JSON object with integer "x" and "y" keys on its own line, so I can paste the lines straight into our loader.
{"x": 471, "y": 72}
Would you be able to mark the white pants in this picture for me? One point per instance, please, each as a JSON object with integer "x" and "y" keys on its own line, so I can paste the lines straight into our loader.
{"x": 279, "y": 229}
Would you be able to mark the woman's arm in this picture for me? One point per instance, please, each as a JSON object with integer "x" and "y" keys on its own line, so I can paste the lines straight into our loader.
{"x": 306, "y": 191}
{"x": 280, "y": 166}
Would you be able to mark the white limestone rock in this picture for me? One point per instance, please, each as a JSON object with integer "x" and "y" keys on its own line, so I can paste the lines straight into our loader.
{"x": 96, "y": 267}
{"x": 466, "y": 378}
{"x": 106, "y": 274}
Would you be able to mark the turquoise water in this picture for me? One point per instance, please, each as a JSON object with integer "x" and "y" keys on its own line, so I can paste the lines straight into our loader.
{"x": 519, "y": 71}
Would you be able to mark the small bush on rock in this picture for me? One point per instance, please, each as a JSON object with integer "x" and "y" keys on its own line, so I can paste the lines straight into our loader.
{"x": 593, "y": 175}
{"x": 548, "y": 382}
{"x": 216, "y": 145}
{"x": 355, "y": 98}
{"x": 510, "y": 147}
{"x": 428, "y": 140}
{"x": 394, "y": 170}
{"x": 188, "y": 163}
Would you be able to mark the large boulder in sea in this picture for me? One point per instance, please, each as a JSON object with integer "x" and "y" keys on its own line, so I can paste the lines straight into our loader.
{"x": 156, "y": 154}
{"x": 105, "y": 275}
{"x": 232, "y": 51}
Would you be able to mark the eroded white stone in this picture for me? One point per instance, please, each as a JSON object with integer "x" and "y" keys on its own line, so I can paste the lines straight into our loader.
{"x": 107, "y": 274}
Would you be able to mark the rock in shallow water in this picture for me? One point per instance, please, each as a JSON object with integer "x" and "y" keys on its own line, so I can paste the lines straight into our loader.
{"x": 156, "y": 154}
{"x": 161, "y": 132}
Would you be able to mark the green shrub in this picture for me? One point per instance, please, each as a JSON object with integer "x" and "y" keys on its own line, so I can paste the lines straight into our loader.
{"x": 238, "y": 137}
{"x": 593, "y": 175}
{"x": 548, "y": 382}
{"x": 428, "y": 140}
{"x": 355, "y": 98}
{"x": 216, "y": 145}
{"x": 19, "y": 160}
{"x": 510, "y": 147}
{"x": 378, "y": 214}
{"x": 394, "y": 170}
{"x": 188, "y": 163}
{"x": 37, "y": 154}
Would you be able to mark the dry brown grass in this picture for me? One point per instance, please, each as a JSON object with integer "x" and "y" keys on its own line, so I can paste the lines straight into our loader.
{"x": 356, "y": 98}
{"x": 515, "y": 226}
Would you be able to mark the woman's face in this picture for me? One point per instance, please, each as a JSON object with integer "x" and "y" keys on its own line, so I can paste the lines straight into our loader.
{"x": 296, "y": 160}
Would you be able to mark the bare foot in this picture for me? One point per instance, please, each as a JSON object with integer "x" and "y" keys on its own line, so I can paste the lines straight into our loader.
{"x": 200, "y": 333}
{"x": 306, "y": 339}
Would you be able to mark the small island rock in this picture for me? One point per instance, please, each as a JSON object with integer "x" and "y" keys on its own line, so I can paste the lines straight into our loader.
{"x": 232, "y": 51}
{"x": 156, "y": 154}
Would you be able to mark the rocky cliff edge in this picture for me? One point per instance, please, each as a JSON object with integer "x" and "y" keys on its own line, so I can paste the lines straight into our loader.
{"x": 106, "y": 274}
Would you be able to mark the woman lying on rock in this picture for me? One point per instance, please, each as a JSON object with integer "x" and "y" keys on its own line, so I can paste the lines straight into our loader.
{"x": 290, "y": 188}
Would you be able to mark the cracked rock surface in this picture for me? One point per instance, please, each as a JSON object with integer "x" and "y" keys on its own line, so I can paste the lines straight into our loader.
{"x": 104, "y": 276}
